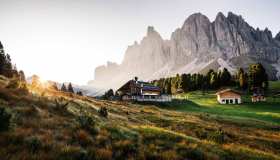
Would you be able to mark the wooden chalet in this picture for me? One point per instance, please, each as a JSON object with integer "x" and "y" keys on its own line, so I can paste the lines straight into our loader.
{"x": 141, "y": 91}
{"x": 228, "y": 96}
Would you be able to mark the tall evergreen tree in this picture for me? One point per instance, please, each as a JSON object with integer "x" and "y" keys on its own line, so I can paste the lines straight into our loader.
{"x": 70, "y": 88}
{"x": 214, "y": 80}
{"x": 208, "y": 78}
{"x": 186, "y": 80}
{"x": 257, "y": 76}
{"x": 6, "y": 67}
{"x": 63, "y": 88}
{"x": 108, "y": 94}
{"x": 168, "y": 86}
{"x": 242, "y": 79}
{"x": 225, "y": 78}
{"x": 80, "y": 93}
{"x": 22, "y": 76}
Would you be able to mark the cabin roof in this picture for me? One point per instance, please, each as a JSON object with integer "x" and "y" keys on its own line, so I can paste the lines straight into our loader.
{"x": 144, "y": 85}
{"x": 227, "y": 90}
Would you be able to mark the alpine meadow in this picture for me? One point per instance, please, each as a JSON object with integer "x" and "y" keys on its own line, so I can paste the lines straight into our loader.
{"x": 208, "y": 89}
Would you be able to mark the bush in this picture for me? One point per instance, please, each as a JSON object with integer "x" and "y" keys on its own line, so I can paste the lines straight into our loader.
{"x": 5, "y": 118}
{"x": 73, "y": 153}
{"x": 103, "y": 153}
{"x": 61, "y": 104}
{"x": 87, "y": 123}
{"x": 103, "y": 112}
{"x": 13, "y": 83}
{"x": 125, "y": 148}
{"x": 83, "y": 137}
{"x": 33, "y": 143}
{"x": 217, "y": 136}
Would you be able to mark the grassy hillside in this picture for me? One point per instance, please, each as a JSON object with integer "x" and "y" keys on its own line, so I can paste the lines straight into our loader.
{"x": 52, "y": 125}
{"x": 206, "y": 103}
{"x": 274, "y": 85}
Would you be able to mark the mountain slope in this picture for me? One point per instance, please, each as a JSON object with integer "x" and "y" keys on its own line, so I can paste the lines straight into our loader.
{"x": 54, "y": 125}
{"x": 199, "y": 45}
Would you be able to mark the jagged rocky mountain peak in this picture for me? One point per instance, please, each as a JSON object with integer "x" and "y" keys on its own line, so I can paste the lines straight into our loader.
{"x": 235, "y": 18}
{"x": 277, "y": 37}
{"x": 151, "y": 31}
{"x": 196, "y": 19}
{"x": 199, "y": 45}
{"x": 220, "y": 16}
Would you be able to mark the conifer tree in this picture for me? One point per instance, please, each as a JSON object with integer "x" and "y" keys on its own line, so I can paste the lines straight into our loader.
{"x": 63, "y": 88}
{"x": 257, "y": 76}
{"x": 214, "y": 80}
{"x": 22, "y": 76}
{"x": 80, "y": 93}
{"x": 242, "y": 78}
{"x": 70, "y": 88}
{"x": 225, "y": 77}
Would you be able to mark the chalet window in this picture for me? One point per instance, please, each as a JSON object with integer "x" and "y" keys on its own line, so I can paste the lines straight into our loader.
{"x": 230, "y": 101}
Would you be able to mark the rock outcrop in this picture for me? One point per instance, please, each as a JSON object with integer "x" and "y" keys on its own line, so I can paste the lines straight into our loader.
{"x": 229, "y": 41}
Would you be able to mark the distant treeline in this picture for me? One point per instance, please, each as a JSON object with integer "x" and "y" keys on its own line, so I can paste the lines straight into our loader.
{"x": 255, "y": 78}
{"x": 69, "y": 89}
{"x": 7, "y": 69}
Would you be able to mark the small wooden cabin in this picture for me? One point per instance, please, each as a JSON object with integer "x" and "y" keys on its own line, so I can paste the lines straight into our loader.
{"x": 258, "y": 95}
{"x": 228, "y": 96}
{"x": 258, "y": 98}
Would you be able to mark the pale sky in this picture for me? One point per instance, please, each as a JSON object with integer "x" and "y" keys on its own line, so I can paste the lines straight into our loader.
{"x": 64, "y": 40}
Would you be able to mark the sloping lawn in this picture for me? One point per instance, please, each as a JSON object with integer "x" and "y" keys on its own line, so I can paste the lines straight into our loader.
{"x": 274, "y": 85}
{"x": 206, "y": 103}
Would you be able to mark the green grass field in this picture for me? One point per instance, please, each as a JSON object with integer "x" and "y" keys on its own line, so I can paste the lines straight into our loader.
{"x": 197, "y": 102}
{"x": 274, "y": 85}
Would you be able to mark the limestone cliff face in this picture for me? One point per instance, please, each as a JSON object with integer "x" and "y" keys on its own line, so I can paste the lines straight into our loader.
{"x": 147, "y": 57}
{"x": 229, "y": 41}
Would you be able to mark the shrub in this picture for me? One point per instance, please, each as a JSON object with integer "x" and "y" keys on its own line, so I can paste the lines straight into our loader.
{"x": 83, "y": 137}
{"x": 13, "y": 83}
{"x": 103, "y": 112}
{"x": 125, "y": 148}
{"x": 73, "y": 153}
{"x": 87, "y": 123}
{"x": 169, "y": 155}
{"x": 104, "y": 153}
{"x": 217, "y": 136}
{"x": 61, "y": 104}
{"x": 201, "y": 133}
{"x": 5, "y": 118}
{"x": 33, "y": 143}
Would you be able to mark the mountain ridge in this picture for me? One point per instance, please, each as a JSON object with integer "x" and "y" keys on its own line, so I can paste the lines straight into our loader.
{"x": 228, "y": 41}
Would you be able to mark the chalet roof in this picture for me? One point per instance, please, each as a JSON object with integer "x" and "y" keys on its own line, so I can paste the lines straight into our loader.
{"x": 125, "y": 85}
{"x": 144, "y": 85}
{"x": 227, "y": 90}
